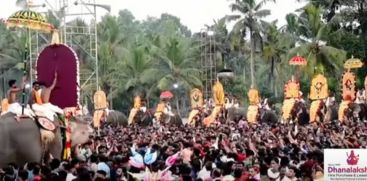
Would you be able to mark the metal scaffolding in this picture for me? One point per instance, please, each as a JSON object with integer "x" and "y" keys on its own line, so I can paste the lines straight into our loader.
{"x": 81, "y": 37}
{"x": 208, "y": 62}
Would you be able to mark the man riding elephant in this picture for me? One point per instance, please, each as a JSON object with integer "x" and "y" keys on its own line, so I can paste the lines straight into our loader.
{"x": 13, "y": 105}
{"x": 139, "y": 113}
{"x": 42, "y": 103}
{"x": 100, "y": 108}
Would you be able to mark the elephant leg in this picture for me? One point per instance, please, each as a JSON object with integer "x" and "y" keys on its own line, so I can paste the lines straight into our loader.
{"x": 56, "y": 147}
{"x": 26, "y": 139}
{"x": 29, "y": 151}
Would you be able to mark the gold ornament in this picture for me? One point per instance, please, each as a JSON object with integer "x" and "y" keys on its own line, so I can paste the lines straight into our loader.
{"x": 287, "y": 108}
{"x": 314, "y": 108}
{"x": 100, "y": 100}
{"x": 196, "y": 99}
{"x": 253, "y": 96}
{"x": 342, "y": 107}
{"x": 218, "y": 93}
{"x": 252, "y": 112}
{"x": 319, "y": 88}
{"x": 349, "y": 86}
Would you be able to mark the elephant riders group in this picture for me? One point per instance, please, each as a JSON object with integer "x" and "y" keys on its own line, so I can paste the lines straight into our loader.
{"x": 39, "y": 101}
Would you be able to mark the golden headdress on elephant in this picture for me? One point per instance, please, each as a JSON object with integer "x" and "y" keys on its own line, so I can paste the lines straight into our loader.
{"x": 253, "y": 110}
{"x": 218, "y": 96}
{"x": 159, "y": 110}
{"x": 319, "y": 91}
{"x": 135, "y": 109}
{"x": 197, "y": 100}
{"x": 291, "y": 93}
{"x": 197, "y": 103}
{"x": 319, "y": 87}
{"x": 291, "y": 89}
{"x": 253, "y": 96}
{"x": 100, "y": 104}
{"x": 348, "y": 93}
{"x": 218, "y": 93}
{"x": 137, "y": 102}
{"x": 349, "y": 86}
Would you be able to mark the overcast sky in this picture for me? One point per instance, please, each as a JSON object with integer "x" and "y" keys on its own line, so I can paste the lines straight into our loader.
{"x": 193, "y": 13}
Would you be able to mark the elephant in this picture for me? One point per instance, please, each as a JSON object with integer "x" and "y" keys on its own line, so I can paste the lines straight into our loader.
{"x": 116, "y": 117}
{"x": 144, "y": 119}
{"x": 234, "y": 113}
{"x": 331, "y": 113}
{"x": 299, "y": 113}
{"x": 268, "y": 117}
{"x": 21, "y": 140}
{"x": 357, "y": 112}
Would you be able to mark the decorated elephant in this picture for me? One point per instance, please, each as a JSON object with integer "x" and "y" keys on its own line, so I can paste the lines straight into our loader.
{"x": 21, "y": 141}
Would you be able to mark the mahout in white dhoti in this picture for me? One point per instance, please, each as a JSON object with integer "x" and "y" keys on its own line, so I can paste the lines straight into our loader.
{"x": 49, "y": 110}
{"x": 16, "y": 109}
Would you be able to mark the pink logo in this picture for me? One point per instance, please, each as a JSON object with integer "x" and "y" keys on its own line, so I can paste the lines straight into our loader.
{"x": 352, "y": 159}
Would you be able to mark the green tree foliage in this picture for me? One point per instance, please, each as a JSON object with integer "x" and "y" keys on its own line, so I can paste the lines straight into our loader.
{"x": 146, "y": 57}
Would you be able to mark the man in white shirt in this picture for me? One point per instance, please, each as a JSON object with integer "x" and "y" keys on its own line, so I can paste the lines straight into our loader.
{"x": 69, "y": 169}
{"x": 204, "y": 173}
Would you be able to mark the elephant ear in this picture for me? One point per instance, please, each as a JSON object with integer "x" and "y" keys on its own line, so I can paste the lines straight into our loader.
{"x": 73, "y": 125}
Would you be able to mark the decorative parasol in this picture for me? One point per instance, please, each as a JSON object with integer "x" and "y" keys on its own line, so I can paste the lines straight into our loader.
{"x": 30, "y": 20}
{"x": 297, "y": 60}
{"x": 225, "y": 73}
{"x": 353, "y": 63}
{"x": 166, "y": 95}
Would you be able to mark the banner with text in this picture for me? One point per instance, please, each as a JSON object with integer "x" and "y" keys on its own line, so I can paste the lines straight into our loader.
{"x": 345, "y": 164}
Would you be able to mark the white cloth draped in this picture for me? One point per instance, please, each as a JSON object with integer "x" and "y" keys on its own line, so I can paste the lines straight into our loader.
{"x": 48, "y": 110}
{"x": 16, "y": 108}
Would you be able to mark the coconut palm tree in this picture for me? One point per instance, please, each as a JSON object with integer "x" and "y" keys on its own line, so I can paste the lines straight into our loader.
{"x": 176, "y": 64}
{"x": 112, "y": 51}
{"x": 248, "y": 21}
{"x": 276, "y": 45}
{"x": 314, "y": 33}
{"x": 138, "y": 62}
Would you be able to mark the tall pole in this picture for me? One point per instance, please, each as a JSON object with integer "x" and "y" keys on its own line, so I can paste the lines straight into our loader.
{"x": 26, "y": 53}
{"x": 252, "y": 60}
{"x": 96, "y": 42}
{"x": 30, "y": 56}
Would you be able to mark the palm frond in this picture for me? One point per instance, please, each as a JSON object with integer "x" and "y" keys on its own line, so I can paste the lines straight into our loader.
{"x": 262, "y": 13}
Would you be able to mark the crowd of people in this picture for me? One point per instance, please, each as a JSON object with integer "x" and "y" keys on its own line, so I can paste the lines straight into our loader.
{"x": 231, "y": 151}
